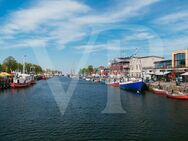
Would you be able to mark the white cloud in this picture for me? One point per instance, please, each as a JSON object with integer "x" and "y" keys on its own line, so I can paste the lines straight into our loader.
{"x": 173, "y": 17}
{"x": 27, "y": 43}
{"x": 175, "y": 43}
{"x": 119, "y": 13}
{"x": 143, "y": 35}
{"x": 177, "y": 21}
{"x": 46, "y": 11}
{"x": 66, "y": 21}
{"x": 98, "y": 47}
{"x": 111, "y": 46}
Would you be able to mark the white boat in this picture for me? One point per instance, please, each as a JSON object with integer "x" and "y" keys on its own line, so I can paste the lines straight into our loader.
{"x": 87, "y": 79}
{"x": 21, "y": 80}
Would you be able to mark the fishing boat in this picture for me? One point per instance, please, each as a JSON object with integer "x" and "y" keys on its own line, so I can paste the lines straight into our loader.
{"x": 179, "y": 95}
{"x": 159, "y": 91}
{"x": 33, "y": 78}
{"x": 33, "y": 81}
{"x": 21, "y": 80}
{"x": 136, "y": 86}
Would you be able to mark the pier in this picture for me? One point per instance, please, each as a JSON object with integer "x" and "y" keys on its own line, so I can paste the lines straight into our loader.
{"x": 5, "y": 83}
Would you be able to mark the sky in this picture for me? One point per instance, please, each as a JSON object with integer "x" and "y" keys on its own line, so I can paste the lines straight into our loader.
{"x": 69, "y": 34}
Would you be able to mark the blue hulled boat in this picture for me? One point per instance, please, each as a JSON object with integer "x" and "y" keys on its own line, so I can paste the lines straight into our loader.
{"x": 137, "y": 86}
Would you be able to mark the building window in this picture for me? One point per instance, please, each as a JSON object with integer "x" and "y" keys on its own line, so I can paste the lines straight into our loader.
{"x": 180, "y": 60}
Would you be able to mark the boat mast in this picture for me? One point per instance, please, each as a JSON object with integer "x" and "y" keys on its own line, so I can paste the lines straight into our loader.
{"x": 24, "y": 64}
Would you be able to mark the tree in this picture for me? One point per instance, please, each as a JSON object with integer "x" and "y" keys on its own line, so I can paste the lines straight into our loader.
{"x": 28, "y": 67}
{"x": 83, "y": 71}
{"x": 1, "y": 68}
{"x": 10, "y": 63}
{"x": 87, "y": 71}
{"x": 19, "y": 67}
{"x": 4, "y": 67}
{"x": 90, "y": 69}
{"x": 37, "y": 68}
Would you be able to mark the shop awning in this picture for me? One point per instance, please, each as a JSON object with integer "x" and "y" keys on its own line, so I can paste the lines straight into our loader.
{"x": 161, "y": 73}
{"x": 3, "y": 74}
{"x": 185, "y": 74}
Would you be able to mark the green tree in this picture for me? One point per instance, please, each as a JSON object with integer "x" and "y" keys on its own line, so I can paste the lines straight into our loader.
{"x": 19, "y": 67}
{"x": 10, "y": 63}
{"x": 4, "y": 68}
{"x": 83, "y": 71}
{"x": 90, "y": 69}
{"x": 37, "y": 69}
{"x": 28, "y": 67}
{"x": 1, "y": 69}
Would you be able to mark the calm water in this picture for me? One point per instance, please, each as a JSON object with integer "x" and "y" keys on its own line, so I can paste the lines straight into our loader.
{"x": 32, "y": 114}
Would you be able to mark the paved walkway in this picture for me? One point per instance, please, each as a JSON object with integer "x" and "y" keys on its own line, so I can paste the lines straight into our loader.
{"x": 171, "y": 86}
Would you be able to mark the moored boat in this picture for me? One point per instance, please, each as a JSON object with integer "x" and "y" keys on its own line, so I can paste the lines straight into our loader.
{"x": 96, "y": 81}
{"x": 102, "y": 81}
{"x": 136, "y": 86}
{"x": 44, "y": 77}
{"x": 181, "y": 96}
{"x": 33, "y": 82}
{"x": 87, "y": 79}
{"x": 114, "y": 84}
{"x": 159, "y": 91}
{"x": 19, "y": 85}
{"x": 21, "y": 80}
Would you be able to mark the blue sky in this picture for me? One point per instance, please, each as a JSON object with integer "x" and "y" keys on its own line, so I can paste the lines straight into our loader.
{"x": 69, "y": 34}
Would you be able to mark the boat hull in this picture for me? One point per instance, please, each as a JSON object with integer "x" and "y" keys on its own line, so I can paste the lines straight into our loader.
{"x": 44, "y": 78}
{"x": 102, "y": 81}
{"x": 115, "y": 84}
{"x": 159, "y": 92}
{"x": 20, "y": 85}
{"x": 96, "y": 81}
{"x": 134, "y": 86}
{"x": 180, "y": 97}
{"x": 33, "y": 82}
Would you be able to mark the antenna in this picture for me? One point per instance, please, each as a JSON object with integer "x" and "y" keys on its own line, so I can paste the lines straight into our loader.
{"x": 135, "y": 53}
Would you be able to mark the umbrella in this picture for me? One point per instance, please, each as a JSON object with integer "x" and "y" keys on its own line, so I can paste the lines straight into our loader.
{"x": 185, "y": 74}
{"x": 162, "y": 73}
{"x": 3, "y": 74}
{"x": 173, "y": 75}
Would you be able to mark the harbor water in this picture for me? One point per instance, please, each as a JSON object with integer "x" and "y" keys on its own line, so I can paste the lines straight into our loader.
{"x": 33, "y": 114}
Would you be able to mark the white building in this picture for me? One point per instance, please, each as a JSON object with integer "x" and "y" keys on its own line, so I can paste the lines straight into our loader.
{"x": 143, "y": 67}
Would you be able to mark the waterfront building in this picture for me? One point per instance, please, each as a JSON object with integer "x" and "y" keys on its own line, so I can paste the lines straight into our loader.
{"x": 143, "y": 67}
{"x": 163, "y": 65}
{"x": 180, "y": 60}
{"x": 163, "y": 70}
{"x": 180, "y": 64}
{"x": 101, "y": 71}
{"x": 119, "y": 67}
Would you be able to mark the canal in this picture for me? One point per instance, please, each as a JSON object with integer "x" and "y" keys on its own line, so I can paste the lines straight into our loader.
{"x": 34, "y": 114}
